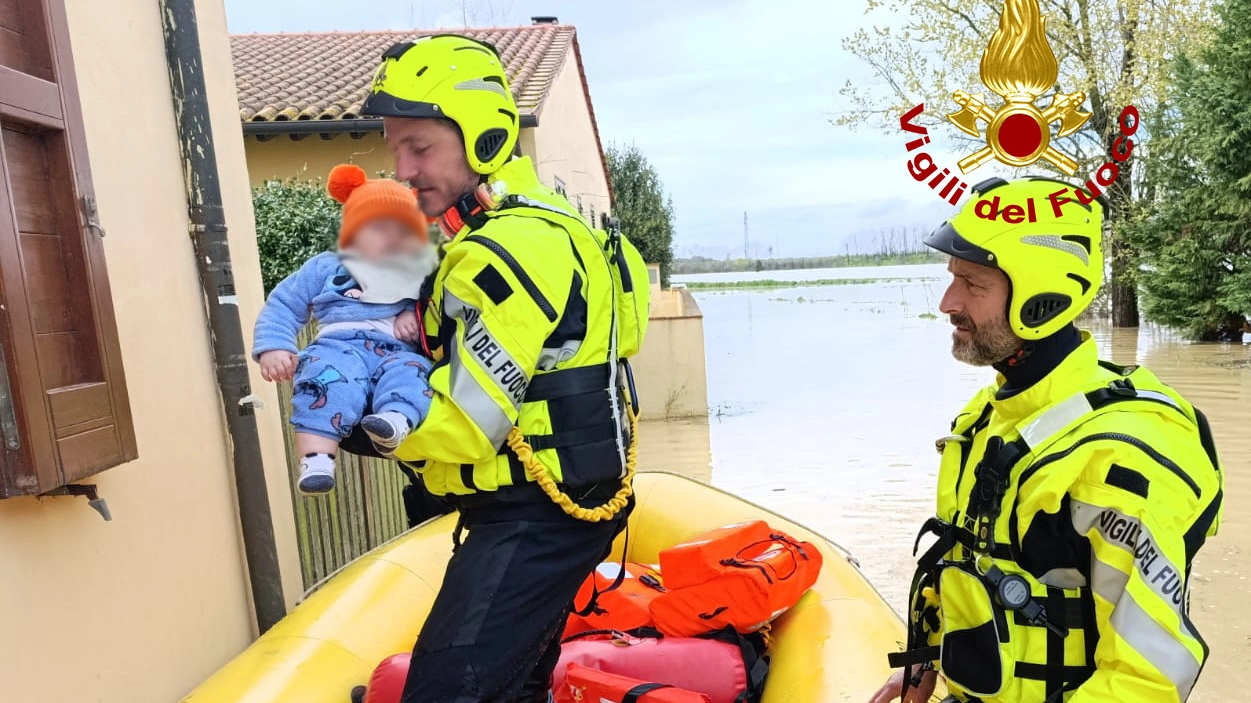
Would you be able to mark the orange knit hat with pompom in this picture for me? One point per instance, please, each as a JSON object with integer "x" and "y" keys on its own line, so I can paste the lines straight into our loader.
{"x": 365, "y": 199}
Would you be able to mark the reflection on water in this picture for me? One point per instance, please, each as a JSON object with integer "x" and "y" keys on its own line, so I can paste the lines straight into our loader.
{"x": 676, "y": 445}
{"x": 825, "y": 402}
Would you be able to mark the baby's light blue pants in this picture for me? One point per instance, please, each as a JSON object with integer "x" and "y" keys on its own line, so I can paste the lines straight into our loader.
{"x": 343, "y": 377}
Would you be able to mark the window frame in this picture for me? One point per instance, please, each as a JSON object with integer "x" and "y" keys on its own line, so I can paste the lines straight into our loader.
{"x": 47, "y": 107}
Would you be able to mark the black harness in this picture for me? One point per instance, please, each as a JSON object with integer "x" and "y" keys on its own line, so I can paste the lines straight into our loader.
{"x": 1056, "y": 612}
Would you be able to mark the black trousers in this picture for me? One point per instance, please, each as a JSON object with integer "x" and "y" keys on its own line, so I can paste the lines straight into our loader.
{"x": 493, "y": 634}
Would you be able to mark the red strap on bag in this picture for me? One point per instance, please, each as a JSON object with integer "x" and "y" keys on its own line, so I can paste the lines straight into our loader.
{"x": 586, "y": 685}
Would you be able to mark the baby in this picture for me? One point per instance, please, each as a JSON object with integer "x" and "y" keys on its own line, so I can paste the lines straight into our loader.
{"x": 364, "y": 299}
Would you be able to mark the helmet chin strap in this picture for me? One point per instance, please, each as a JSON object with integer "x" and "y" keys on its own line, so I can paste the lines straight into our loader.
{"x": 1020, "y": 355}
{"x": 1033, "y": 360}
{"x": 469, "y": 209}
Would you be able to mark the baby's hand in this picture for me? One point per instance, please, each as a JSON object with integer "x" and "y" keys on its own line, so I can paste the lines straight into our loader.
{"x": 278, "y": 365}
{"x": 407, "y": 329}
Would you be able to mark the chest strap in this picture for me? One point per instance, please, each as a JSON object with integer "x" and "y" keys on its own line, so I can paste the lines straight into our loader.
{"x": 562, "y": 383}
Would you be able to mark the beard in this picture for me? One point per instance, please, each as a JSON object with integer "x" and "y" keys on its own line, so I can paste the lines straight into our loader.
{"x": 987, "y": 344}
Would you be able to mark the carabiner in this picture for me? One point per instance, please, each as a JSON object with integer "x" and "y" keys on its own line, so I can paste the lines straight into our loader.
{"x": 941, "y": 442}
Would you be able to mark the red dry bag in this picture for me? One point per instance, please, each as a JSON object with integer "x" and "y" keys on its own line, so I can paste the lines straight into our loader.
{"x": 387, "y": 682}
{"x": 749, "y": 587}
{"x": 725, "y": 666}
{"x": 586, "y": 685}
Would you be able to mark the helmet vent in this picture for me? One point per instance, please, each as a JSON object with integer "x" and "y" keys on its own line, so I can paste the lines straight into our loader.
{"x": 395, "y": 51}
{"x": 988, "y": 185}
{"x": 489, "y": 143}
{"x": 1079, "y": 239}
{"x": 1044, "y": 307}
{"x": 1085, "y": 284}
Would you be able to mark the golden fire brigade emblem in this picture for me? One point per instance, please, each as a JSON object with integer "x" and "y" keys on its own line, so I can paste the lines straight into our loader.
{"x": 1019, "y": 65}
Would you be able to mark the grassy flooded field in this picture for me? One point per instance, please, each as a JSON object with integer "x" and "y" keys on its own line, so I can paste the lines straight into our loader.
{"x": 776, "y": 283}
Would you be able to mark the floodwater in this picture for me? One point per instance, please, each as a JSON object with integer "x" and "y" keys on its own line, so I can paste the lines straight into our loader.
{"x": 825, "y": 401}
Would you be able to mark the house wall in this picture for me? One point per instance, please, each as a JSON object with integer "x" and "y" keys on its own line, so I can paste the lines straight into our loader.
{"x": 145, "y": 606}
{"x": 564, "y": 144}
{"x": 313, "y": 157}
{"x": 669, "y": 371}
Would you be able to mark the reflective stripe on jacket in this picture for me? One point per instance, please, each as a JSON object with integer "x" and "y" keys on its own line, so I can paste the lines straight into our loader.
{"x": 521, "y": 312}
{"x": 1110, "y": 486}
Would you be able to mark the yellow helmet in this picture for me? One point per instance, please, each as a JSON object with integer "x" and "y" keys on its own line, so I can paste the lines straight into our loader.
{"x": 1053, "y": 261}
{"x": 453, "y": 77}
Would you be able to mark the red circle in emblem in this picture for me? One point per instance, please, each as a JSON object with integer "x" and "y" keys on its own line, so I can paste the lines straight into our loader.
{"x": 1020, "y": 135}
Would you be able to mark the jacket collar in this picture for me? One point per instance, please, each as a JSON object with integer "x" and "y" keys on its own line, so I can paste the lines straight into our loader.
{"x": 1070, "y": 376}
{"x": 518, "y": 174}
{"x": 517, "y": 177}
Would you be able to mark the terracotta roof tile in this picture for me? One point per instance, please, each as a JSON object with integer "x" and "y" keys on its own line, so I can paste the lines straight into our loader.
{"x": 324, "y": 76}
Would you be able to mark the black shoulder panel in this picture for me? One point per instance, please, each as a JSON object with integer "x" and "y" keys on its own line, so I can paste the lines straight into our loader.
{"x": 1128, "y": 480}
{"x": 493, "y": 284}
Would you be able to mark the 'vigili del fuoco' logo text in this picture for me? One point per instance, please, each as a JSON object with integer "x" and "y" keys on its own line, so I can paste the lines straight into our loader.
{"x": 1019, "y": 66}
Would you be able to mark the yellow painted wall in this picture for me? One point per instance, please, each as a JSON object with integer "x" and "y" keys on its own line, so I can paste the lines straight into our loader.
{"x": 564, "y": 143}
{"x": 313, "y": 157}
{"x": 143, "y": 607}
{"x": 669, "y": 371}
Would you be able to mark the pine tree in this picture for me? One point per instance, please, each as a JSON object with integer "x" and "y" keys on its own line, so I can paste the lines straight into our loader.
{"x": 1195, "y": 235}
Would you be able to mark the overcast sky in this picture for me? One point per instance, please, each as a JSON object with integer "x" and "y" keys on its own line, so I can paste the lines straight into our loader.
{"x": 729, "y": 99}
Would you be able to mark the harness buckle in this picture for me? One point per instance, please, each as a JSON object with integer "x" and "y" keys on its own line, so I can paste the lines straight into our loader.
{"x": 936, "y": 526}
{"x": 1123, "y": 387}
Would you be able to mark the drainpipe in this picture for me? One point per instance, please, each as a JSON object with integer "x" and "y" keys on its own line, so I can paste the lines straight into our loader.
{"x": 212, "y": 255}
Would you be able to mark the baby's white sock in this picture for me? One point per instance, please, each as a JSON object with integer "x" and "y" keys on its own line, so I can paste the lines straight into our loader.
{"x": 386, "y": 429}
{"x": 316, "y": 474}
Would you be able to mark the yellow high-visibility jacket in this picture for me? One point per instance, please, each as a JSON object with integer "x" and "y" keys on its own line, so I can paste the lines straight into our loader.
{"x": 1068, "y": 518}
{"x": 521, "y": 314}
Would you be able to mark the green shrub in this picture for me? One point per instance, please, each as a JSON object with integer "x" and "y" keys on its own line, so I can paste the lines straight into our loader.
{"x": 295, "y": 221}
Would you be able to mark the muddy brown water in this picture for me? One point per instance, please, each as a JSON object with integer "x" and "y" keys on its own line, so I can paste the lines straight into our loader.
{"x": 825, "y": 402}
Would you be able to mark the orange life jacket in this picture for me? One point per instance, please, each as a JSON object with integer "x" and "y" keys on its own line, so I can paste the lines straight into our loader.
{"x": 623, "y": 606}
{"x": 586, "y": 685}
{"x": 698, "y": 560}
{"x": 742, "y": 576}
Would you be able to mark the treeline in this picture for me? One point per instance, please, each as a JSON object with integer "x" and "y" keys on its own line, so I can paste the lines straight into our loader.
{"x": 703, "y": 264}
{"x": 896, "y": 246}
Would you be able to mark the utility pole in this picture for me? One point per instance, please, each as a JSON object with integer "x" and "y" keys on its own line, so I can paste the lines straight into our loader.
{"x": 745, "y": 256}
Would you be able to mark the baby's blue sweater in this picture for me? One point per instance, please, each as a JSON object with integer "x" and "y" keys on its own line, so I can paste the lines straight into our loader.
{"x": 320, "y": 286}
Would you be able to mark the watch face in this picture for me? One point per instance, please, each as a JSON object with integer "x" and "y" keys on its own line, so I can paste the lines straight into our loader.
{"x": 1013, "y": 592}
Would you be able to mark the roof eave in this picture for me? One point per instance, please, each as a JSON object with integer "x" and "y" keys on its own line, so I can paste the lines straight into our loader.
{"x": 360, "y": 125}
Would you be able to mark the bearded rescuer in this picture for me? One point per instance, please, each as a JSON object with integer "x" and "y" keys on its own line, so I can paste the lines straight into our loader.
{"x": 1073, "y": 494}
{"x": 529, "y": 434}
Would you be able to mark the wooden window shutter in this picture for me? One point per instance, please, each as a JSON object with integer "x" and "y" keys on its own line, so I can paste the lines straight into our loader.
{"x": 64, "y": 412}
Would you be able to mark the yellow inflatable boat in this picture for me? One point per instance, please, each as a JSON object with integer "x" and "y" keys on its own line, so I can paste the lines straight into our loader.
{"x": 830, "y": 647}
